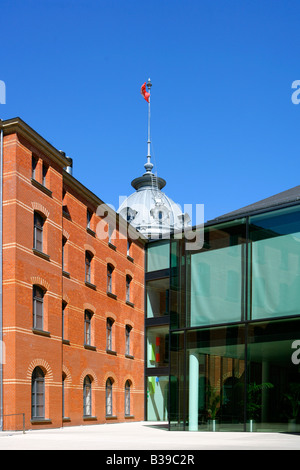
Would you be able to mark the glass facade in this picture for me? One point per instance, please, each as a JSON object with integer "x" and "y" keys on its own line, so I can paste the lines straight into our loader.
{"x": 232, "y": 326}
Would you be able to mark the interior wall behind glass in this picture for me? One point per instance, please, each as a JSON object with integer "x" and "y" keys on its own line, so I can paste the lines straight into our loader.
{"x": 158, "y": 256}
{"x": 275, "y": 254}
{"x": 216, "y": 286}
{"x": 157, "y": 398}
{"x": 217, "y": 276}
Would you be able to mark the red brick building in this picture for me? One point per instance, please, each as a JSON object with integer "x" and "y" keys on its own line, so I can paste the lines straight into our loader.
{"x": 73, "y": 302}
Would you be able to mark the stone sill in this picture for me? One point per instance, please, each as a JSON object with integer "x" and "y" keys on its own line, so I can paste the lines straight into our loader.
{"x": 41, "y": 254}
{"x": 41, "y": 187}
{"x": 36, "y": 331}
{"x": 109, "y": 351}
{"x": 40, "y": 421}
{"x": 90, "y": 231}
{"x": 129, "y": 356}
{"x": 88, "y": 346}
{"x": 90, "y": 285}
{"x": 113, "y": 296}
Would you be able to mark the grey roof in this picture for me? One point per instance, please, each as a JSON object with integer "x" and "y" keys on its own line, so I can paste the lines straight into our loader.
{"x": 288, "y": 197}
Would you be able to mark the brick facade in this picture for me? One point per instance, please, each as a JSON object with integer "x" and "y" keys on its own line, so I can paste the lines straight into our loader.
{"x": 74, "y": 356}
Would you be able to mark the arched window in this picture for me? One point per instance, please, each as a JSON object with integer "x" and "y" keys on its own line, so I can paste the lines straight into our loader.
{"x": 110, "y": 269}
{"x": 38, "y": 308}
{"x": 88, "y": 267}
{"x": 34, "y": 163}
{"x": 127, "y": 398}
{"x": 63, "y": 308}
{"x": 108, "y": 397}
{"x": 63, "y": 394}
{"x": 87, "y": 396}
{"x": 128, "y": 329}
{"x": 38, "y": 231}
{"x": 128, "y": 281}
{"x": 109, "y": 338}
{"x": 64, "y": 242}
{"x": 87, "y": 328}
{"x": 38, "y": 394}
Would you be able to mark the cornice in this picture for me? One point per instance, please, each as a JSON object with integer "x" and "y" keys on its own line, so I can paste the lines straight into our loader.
{"x": 18, "y": 126}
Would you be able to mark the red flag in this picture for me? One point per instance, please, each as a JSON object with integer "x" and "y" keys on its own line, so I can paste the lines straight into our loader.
{"x": 145, "y": 94}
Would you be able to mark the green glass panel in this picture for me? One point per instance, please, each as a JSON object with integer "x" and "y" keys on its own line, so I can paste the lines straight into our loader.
{"x": 177, "y": 382}
{"x": 273, "y": 385}
{"x": 215, "y": 379}
{"x": 157, "y": 294}
{"x": 157, "y": 398}
{"x": 158, "y": 256}
{"x": 157, "y": 346}
{"x": 275, "y": 255}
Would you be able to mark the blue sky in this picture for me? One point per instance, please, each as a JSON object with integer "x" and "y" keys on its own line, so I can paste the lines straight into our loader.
{"x": 225, "y": 132}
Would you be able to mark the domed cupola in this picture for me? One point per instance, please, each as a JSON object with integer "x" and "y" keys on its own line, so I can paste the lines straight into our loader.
{"x": 148, "y": 209}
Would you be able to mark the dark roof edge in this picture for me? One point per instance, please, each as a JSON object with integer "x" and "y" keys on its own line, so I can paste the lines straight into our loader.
{"x": 90, "y": 196}
{"x": 17, "y": 125}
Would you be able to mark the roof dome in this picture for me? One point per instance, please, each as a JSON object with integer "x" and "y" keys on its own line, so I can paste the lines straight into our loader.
{"x": 151, "y": 211}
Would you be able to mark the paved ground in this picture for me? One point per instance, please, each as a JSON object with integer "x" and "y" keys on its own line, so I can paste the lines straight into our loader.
{"x": 143, "y": 436}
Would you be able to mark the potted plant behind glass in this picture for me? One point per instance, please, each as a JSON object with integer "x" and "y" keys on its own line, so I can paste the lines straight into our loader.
{"x": 213, "y": 402}
{"x": 293, "y": 399}
{"x": 254, "y": 401}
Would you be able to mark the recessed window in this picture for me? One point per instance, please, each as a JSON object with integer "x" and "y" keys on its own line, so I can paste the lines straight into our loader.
{"x": 110, "y": 270}
{"x": 44, "y": 174}
{"x": 128, "y": 329}
{"x": 34, "y": 162}
{"x": 88, "y": 267}
{"x": 89, "y": 215}
{"x": 127, "y": 398}
{"x": 38, "y": 307}
{"x": 64, "y": 305}
{"x": 38, "y": 231}
{"x": 128, "y": 282}
{"x": 87, "y": 396}
{"x": 109, "y": 397}
{"x": 109, "y": 336}
{"x": 38, "y": 394}
{"x": 87, "y": 328}
{"x": 64, "y": 242}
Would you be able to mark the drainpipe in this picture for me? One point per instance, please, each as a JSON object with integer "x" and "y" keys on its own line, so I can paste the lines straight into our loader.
{"x": 1, "y": 280}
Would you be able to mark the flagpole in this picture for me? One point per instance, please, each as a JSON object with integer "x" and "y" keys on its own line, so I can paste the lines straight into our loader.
{"x": 149, "y": 85}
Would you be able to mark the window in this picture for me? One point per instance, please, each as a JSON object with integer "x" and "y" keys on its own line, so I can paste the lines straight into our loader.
{"x": 109, "y": 277}
{"x": 87, "y": 396}
{"x": 44, "y": 174}
{"x": 88, "y": 264}
{"x": 38, "y": 308}
{"x": 128, "y": 329}
{"x": 87, "y": 327}
{"x": 64, "y": 242}
{"x": 64, "y": 304}
{"x": 127, "y": 398}
{"x": 110, "y": 233}
{"x": 63, "y": 394}
{"x": 88, "y": 218}
{"x": 109, "y": 324}
{"x": 38, "y": 394}
{"x": 108, "y": 397}
{"x": 128, "y": 247}
{"x": 34, "y": 162}
{"x": 38, "y": 232}
{"x": 128, "y": 281}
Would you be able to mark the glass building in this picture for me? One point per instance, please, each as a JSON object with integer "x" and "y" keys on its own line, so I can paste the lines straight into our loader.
{"x": 223, "y": 324}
